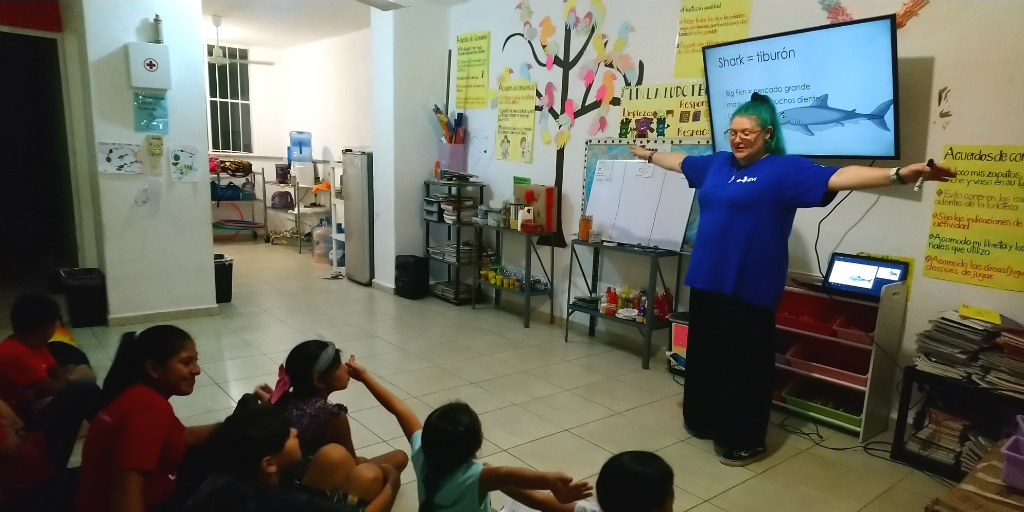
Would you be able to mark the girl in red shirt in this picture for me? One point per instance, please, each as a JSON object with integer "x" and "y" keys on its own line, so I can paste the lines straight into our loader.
{"x": 136, "y": 446}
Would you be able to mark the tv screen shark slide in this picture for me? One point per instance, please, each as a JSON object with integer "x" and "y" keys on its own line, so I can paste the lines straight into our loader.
{"x": 834, "y": 87}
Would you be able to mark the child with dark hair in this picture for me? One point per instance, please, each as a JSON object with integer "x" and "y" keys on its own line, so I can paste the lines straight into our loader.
{"x": 312, "y": 371}
{"x": 252, "y": 453}
{"x": 35, "y": 385}
{"x": 633, "y": 481}
{"x": 443, "y": 449}
{"x": 135, "y": 451}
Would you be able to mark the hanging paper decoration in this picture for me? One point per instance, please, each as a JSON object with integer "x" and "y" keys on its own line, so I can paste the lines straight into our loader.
{"x": 909, "y": 10}
{"x": 835, "y": 11}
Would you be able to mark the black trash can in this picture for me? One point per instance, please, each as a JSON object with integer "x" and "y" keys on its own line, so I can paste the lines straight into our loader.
{"x": 86, "y": 292}
{"x": 222, "y": 277}
{"x": 412, "y": 276}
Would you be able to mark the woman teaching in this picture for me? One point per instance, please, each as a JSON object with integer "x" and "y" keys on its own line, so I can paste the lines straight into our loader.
{"x": 748, "y": 199}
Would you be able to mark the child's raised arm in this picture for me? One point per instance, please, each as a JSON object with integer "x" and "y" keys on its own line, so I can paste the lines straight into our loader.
{"x": 561, "y": 485}
{"x": 406, "y": 418}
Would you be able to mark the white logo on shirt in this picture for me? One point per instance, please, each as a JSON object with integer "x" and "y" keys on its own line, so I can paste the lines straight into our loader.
{"x": 746, "y": 179}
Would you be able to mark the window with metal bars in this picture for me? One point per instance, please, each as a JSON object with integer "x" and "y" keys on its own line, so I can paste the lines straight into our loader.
{"x": 230, "y": 111}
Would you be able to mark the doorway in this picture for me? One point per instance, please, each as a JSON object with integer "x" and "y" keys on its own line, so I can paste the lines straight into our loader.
{"x": 37, "y": 211}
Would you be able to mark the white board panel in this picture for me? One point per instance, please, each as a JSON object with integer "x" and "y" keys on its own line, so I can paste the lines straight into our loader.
{"x": 604, "y": 196}
{"x": 638, "y": 202}
{"x": 673, "y": 210}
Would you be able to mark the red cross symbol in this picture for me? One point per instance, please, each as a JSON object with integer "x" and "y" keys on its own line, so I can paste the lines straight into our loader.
{"x": 150, "y": 65}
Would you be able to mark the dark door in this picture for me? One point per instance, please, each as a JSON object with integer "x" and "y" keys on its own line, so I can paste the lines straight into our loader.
{"x": 37, "y": 214}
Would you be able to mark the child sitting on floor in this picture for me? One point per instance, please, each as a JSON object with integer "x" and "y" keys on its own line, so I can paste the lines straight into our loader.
{"x": 629, "y": 482}
{"x": 449, "y": 480}
{"x": 253, "y": 453}
{"x": 311, "y": 373}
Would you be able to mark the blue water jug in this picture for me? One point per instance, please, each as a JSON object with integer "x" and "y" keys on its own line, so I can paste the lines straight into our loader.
{"x": 301, "y": 147}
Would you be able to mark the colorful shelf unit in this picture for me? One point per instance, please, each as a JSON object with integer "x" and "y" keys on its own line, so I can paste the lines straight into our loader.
{"x": 836, "y": 357}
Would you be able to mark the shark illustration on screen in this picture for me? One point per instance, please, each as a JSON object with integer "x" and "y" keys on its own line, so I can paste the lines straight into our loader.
{"x": 820, "y": 116}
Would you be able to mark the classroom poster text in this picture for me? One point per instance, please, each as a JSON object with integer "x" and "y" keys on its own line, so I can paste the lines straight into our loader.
{"x": 703, "y": 23}
{"x": 516, "y": 119}
{"x": 674, "y": 110}
{"x": 977, "y": 224}
{"x": 472, "y": 63}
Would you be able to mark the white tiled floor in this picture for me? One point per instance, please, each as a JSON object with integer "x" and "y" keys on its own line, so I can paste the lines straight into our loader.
{"x": 543, "y": 403}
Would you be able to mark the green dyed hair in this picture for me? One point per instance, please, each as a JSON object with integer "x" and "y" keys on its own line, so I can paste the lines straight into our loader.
{"x": 761, "y": 108}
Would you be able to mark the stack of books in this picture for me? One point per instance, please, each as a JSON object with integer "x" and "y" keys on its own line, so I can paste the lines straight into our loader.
{"x": 456, "y": 213}
{"x": 941, "y": 438}
{"x": 446, "y": 289}
{"x": 1005, "y": 365}
{"x": 974, "y": 450}
{"x": 950, "y": 347}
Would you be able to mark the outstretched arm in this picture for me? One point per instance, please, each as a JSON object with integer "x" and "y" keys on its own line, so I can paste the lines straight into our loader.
{"x": 406, "y": 418}
{"x": 857, "y": 177}
{"x": 561, "y": 485}
{"x": 666, "y": 160}
{"x": 539, "y": 500}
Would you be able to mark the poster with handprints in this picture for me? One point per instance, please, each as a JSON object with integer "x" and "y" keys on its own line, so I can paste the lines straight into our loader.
{"x": 183, "y": 163}
{"x": 118, "y": 158}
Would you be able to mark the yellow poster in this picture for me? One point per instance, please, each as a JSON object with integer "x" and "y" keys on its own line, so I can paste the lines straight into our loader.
{"x": 516, "y": 119}
{"x": 474, "y": 59}
{"x": 703, "y": 23}
{"x": 674, "y": 111}
{"x": 977, "y": 229}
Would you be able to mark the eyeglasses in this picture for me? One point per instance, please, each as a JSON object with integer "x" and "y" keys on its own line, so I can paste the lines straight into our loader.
{"x": 745, "y": 134}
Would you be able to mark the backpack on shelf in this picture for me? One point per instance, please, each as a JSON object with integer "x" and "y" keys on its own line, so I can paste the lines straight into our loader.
{"x": 226, "y": 192}
{"x": 282, "y": 200}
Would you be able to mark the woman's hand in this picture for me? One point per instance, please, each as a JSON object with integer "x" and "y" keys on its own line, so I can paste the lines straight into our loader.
{"x": 933, "y": 172}
{"x": 263, "y": 393}
{"x": 566, "y": 490}
{"x": 641, "y": 152}
{"x": 355, "y": 371}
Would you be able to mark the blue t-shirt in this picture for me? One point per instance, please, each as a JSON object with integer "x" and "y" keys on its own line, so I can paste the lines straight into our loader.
{"x": 459, "y": 491}
{"x": 746, "y": 215}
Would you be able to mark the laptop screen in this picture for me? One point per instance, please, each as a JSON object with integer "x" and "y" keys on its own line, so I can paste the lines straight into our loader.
{"x": 863, "y": 276}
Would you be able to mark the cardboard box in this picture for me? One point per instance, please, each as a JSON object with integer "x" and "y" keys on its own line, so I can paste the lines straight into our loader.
{"x": 543, "y": 199}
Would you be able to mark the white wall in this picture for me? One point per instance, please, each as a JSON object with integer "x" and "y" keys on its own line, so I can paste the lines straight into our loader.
{"x": 326, "y": 91}
{"x": 162, "y": 264}
{"x": 976, "y": 52}
{"x": 409, "y": 50}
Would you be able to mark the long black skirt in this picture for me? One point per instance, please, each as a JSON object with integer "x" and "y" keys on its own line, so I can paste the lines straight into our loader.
{"x": 730, "y": 369}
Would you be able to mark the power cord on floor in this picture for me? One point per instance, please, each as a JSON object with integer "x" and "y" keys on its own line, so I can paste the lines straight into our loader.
{"x": 868, "y": 448}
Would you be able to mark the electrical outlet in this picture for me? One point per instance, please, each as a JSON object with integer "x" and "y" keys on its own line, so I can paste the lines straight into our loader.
{"x": 155, "y": 143}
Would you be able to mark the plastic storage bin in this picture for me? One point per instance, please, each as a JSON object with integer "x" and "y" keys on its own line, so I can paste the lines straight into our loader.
{"x": 1013, "y": 462}
{"x": 840, "y": 404}
{"x": 452, "y": 157}
{"x": 784, "y": 340}
{"x": 86, "y": 292}
{"x": 808, "y": 313}
{"x": 222, "y": 266}
{"x": 857, "y": 324}
{"x": 832, "y": 360}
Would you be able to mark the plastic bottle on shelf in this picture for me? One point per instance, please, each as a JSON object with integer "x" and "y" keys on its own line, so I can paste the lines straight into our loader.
{"x": 603, "y": 304}
{"x": 641, "y": 309}
{"x": 613, "y": 302}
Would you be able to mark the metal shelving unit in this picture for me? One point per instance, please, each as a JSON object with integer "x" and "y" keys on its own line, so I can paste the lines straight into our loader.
{"x": 296, "y": 214}
{"x": 252, "y": 208}
{"x": 454, "y": 266}
{"x": 526, "y": 290}
{"x": 654, "y": 256}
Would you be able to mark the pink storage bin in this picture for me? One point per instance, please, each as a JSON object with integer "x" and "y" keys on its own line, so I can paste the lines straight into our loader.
{"x": 808, "y": 313}
{"x": 1013, "y": 462}
{"x": 832, "y": 360}
{"x": 452, "y": 157}
{"x": 857, "y": 324}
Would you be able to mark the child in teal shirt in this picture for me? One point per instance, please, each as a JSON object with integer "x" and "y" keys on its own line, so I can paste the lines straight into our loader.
{"x": 449, "y": 480}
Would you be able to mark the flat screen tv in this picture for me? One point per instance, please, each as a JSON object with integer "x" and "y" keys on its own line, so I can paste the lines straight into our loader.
{"x": 834, "y": 87}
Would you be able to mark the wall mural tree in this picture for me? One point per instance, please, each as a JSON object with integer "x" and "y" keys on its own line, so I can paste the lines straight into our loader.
{"x": 554, "y": 103}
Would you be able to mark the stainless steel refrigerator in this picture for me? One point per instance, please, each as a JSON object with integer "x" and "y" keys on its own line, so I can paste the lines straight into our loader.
{"x": 357, "y": 191}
